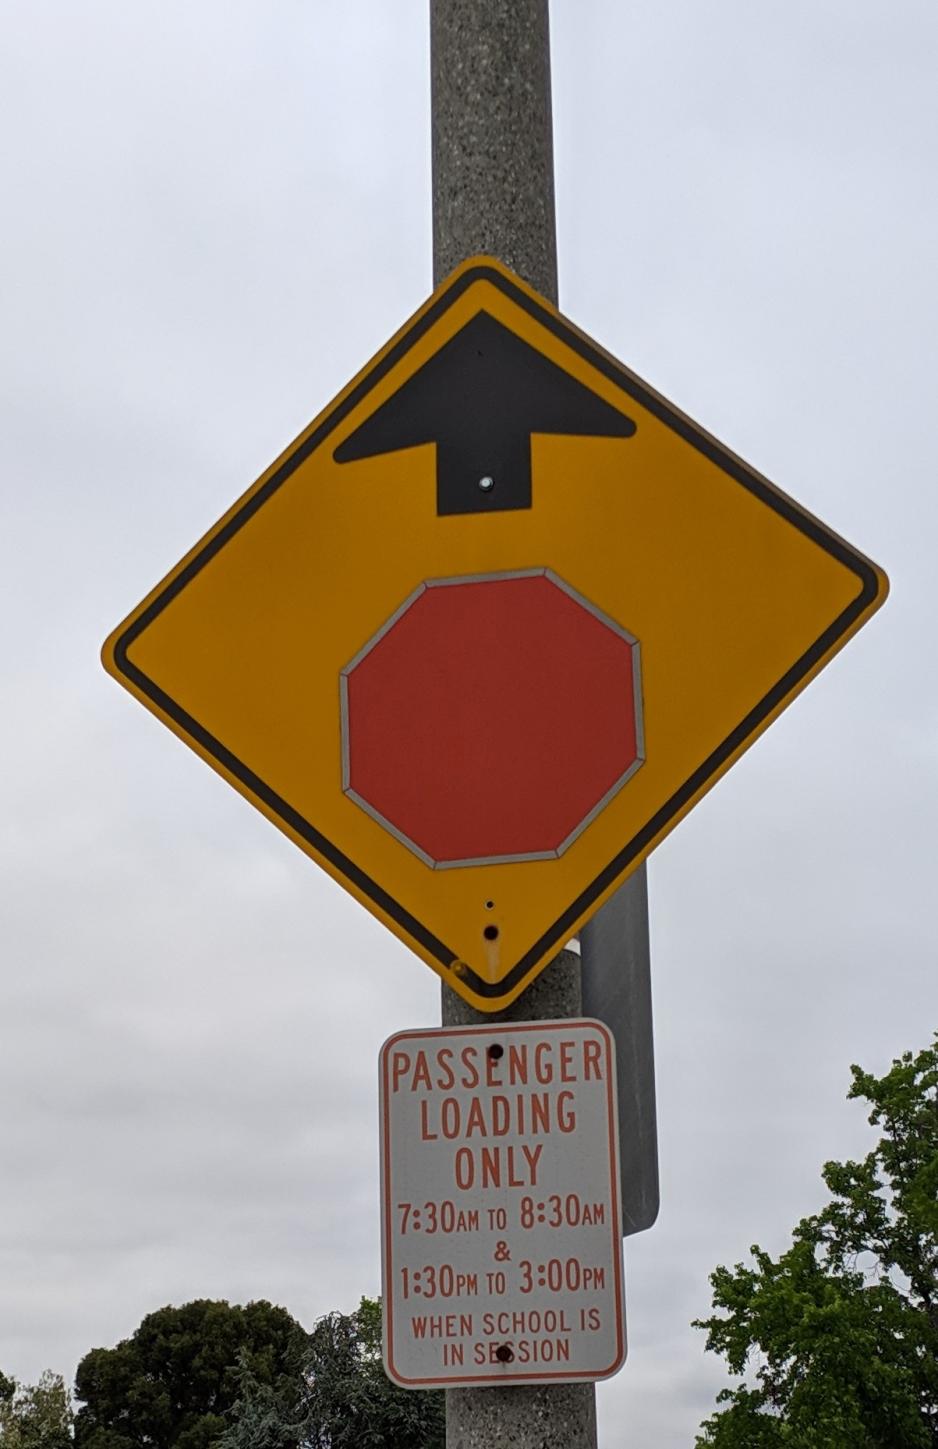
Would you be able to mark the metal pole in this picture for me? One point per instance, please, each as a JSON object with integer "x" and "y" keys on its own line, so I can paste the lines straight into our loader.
{"x": 616, "y": 958}
{"x": 493, "y": 192}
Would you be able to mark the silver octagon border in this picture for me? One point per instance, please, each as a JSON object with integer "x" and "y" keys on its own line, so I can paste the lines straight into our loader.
{"x": 600, "y": 805}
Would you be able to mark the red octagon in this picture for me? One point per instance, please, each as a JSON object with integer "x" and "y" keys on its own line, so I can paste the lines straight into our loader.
{"x": 491, "y": 718}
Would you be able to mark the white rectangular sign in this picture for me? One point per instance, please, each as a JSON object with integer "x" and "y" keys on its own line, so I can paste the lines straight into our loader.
{"x": 502, "y": 1254}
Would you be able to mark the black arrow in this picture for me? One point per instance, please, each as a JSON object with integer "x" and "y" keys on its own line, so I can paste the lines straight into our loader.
{"x": 479, "y": 399}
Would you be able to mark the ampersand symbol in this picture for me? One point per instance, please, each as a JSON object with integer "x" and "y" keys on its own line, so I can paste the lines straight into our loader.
{"x": 502, "y": 1254}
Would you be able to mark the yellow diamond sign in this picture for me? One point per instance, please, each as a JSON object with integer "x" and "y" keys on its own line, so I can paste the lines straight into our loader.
{"x": 489, "y": 628}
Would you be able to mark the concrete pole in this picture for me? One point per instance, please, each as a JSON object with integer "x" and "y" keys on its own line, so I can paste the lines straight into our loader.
{"x": 493, "y": 153}
{"x": 493, "y": 191}
{"x": 526, "y": 1416}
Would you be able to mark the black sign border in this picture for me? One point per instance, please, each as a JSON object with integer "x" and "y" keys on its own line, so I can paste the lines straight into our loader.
{"x": 618, "y": 867}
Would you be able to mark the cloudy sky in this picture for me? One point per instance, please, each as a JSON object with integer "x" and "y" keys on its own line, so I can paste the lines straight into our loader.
{"x": 215, "y": 212}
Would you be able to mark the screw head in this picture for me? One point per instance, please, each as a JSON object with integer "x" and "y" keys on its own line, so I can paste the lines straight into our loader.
{"x": 487, "y": 483}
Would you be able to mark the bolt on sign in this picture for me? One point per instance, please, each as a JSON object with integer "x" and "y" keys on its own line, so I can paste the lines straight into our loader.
{"x": 489, "y": 628}
{"x": 501, "y": 1248}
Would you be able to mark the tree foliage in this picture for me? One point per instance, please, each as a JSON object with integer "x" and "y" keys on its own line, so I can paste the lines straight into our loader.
{"x": 174, "y": 1383}
{"x": 349, "y": 1402}
{"x": 213, "y": 1376}
{"x": 35, "y": 1416}
{"x": 841, "y": 1331}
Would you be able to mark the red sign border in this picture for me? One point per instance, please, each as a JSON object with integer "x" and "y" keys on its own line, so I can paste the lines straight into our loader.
{"x": 387, "y": 1267}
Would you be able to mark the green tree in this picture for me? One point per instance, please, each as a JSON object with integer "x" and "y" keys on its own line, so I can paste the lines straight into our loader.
{"x": 173, "y": 1384}
{"x": 841, "y": 1332}
{"x": 349, "y": 1402}
{"x": 35, "y": 1416}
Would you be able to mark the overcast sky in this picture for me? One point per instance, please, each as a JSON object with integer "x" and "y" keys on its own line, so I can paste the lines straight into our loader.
{"x": 215, "y": 212}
